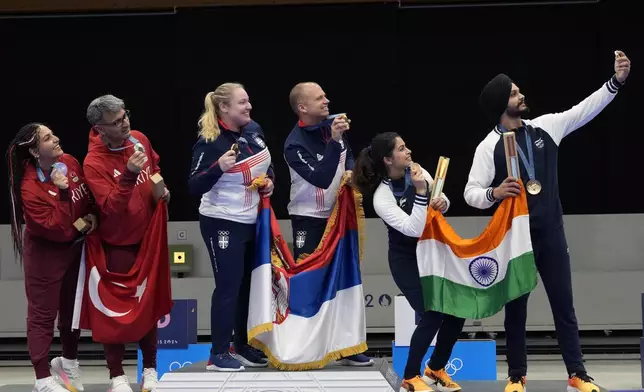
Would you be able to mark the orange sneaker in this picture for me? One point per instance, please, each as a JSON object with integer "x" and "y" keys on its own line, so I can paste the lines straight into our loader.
{"x": 440, "y": 380}
{"x": 516, "y": 384}
{"x": 415, "y": 384}
{"x": 581, "y": 383}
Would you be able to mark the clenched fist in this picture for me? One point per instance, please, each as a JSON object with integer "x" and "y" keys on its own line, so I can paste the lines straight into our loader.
{"x": 136, "y": 162}
{"x": 59, "y": 179}
{"x": 622, "y": 66}
{"x": 227, "y": 160}
{"x": 418, "y": 179}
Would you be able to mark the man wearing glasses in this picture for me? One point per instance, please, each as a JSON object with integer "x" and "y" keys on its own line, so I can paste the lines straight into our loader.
{"x": 118, "y": 167}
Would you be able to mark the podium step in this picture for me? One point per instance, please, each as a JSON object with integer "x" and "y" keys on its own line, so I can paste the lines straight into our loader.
{"x": 333, "y": 378}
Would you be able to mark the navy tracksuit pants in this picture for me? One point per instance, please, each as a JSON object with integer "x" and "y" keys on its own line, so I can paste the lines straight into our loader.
{"x": 404, "y": 269}
{"x": 231, "y": 247}
{"x": 307, "y": 233}
{"x": 553, "y": 263}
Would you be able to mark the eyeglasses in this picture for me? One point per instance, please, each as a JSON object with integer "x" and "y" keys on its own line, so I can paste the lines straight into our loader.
{"x": 119, "y": 121}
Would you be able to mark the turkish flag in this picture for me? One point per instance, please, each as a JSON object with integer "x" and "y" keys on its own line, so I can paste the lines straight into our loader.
{"x": 122, "y": 308}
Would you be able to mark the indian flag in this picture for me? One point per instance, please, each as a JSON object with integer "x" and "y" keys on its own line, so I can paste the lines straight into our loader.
{"x": 474, "y": 278}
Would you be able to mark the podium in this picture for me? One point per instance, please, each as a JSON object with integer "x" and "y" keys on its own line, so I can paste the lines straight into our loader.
{"x": 472, "y": 360}
{"x": 177, "y": 339}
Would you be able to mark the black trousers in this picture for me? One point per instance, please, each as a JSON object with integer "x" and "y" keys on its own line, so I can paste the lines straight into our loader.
{"x": 231, "y": 247}
{"x": 307, "y": 233}
{"x": 404, "y": 269}
{"x": 553, "y": 263}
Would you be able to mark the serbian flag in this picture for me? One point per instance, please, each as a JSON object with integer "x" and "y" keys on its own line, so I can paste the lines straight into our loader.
{"x": 474, "y": 278}
{"x": 305, "y": 315}
{"x": 122, "y": 308}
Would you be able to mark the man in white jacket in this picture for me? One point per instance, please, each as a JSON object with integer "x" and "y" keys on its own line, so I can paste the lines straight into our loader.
{"x": 537, "y": 144}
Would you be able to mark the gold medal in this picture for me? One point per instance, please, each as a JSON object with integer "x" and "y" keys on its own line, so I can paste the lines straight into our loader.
{"x": 533, "y": 187}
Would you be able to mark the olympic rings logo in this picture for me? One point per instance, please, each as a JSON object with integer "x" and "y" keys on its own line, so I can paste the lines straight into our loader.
{"x": 452, "y": 367}
{"x": 164, "y": 323}
{"x": 177, "y": 365}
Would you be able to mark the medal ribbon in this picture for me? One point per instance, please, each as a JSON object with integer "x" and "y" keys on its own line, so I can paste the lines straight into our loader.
{"x": 41, "y": 176}
{"x": 132, "y": 139}
{"x": 407, "y": 184}
{"x": 529, "y": 165}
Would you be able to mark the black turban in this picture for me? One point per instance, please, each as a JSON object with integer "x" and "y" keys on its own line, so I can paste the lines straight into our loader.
{"x": 494, "y": 97}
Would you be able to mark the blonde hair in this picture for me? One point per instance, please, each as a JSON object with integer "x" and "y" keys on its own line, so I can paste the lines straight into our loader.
{"x": 209, "y": 120}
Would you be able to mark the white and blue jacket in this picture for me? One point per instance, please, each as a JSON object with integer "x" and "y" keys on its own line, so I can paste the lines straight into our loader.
{"x": 226, "y": 195}
{"x": 403, "y": 211}
{"x": 316, "y": 164}
{"x": 545, "y": 133}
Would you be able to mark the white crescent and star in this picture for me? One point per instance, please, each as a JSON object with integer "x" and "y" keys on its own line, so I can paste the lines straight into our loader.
{"x": 95, "y": 280}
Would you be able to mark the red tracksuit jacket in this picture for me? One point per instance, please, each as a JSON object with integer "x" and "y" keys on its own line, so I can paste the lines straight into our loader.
{"x": 125, "y": 199}
{"x": 50, "y": 212}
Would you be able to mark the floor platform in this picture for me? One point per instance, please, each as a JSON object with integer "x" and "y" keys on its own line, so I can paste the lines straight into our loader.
{"x": 480, "y": 386}
{"x": 333, "y": 378}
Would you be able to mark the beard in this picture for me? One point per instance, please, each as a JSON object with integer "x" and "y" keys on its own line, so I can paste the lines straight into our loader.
{"x": 516, "y": 112}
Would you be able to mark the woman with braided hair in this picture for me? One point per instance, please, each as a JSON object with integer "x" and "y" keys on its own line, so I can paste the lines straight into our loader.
{"x": 48, "y": 194}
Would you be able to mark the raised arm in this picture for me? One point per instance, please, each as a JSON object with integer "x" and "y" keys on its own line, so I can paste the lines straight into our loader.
{"x": 205, "y": 169}
{"x": 384, "y": 204}
{"x": 317, "y": 173}
{"x": 111, "y": 198}
{"x": 560, "y": 125}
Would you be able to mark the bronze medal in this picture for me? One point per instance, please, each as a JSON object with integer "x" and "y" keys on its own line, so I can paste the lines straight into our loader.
{"x": 533, "y": 187}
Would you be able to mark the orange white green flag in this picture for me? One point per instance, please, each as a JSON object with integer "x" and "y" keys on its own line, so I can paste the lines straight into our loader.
{"x": 474, "y": 278}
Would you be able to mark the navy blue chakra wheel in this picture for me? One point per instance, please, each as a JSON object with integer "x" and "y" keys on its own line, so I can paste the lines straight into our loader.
{"x": 484, "y": 270}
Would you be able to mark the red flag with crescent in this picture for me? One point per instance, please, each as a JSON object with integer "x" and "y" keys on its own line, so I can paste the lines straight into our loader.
{"x": 122, "y": 308}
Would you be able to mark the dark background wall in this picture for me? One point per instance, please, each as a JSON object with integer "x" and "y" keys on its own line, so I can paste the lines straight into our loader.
{"x": 414, "y": 71}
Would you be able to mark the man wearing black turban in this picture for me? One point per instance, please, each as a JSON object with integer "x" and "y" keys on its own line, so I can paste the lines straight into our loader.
{"x": 537, "y": 144}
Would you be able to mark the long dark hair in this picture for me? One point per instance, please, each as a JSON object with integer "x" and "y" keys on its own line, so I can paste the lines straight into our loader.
{"x": 17, "y": 156}
{"x": 370, "y": 167}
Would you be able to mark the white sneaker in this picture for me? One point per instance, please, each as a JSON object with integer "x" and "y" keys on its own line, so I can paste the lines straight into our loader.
{"x": 67, "y": 372}
{"x": 119, "y": 384}
{"x": 149, "y": 380}
{"x": 48, "y": 384}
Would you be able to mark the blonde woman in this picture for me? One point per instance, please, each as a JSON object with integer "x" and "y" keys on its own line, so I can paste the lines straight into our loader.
{"x": 228, "y": 155}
